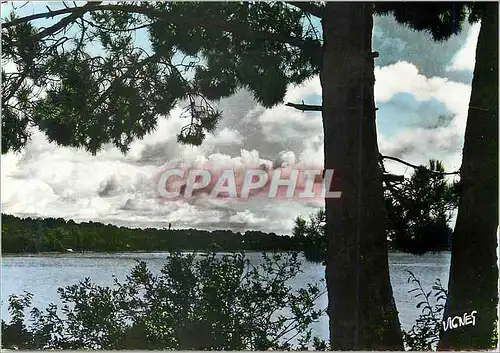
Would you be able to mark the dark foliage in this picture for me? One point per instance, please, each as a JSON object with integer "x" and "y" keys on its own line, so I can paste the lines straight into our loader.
{"x": 195, "y": 302}
{"x": 45, "y": 235}
{"x": 190, "y": 53}
{"x": 419, "y": 210}
{"x": 310, "y": 236}
{"x": 440, "y": 19}
{"x": 424, "y": 335}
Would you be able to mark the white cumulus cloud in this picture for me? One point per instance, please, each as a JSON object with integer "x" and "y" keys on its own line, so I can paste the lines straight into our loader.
{"x": 465, "y": 58}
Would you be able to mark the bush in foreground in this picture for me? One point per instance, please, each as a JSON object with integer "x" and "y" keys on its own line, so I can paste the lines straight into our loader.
{"x": 424, "y": 335}
{"x": 195, "y": 302}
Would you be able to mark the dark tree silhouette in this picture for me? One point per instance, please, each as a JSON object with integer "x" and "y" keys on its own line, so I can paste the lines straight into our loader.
{"x": 419, "y": 210}
{"x": 473, "y": 283}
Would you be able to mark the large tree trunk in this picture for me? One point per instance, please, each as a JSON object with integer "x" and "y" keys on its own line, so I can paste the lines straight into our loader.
{"x": 473, "y": 283}
{"x": 361, "y": 306}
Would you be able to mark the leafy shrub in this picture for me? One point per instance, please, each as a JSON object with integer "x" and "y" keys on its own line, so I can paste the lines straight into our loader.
{"x": 196, "y": 302}
{"x": 424, "y": 335}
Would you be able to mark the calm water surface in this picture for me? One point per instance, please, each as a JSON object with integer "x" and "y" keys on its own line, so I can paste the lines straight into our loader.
{"x": 43, "y": 274}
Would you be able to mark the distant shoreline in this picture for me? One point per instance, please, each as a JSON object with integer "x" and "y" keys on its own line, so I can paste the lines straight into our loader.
{"x": 49, "y": 253}
{"x": 56, "y": 236}
{"x": 43, "y": 253}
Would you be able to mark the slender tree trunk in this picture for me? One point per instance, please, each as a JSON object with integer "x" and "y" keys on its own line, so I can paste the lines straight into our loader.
{"x": 361, "y": 307}
{"x": 473, "y": 283}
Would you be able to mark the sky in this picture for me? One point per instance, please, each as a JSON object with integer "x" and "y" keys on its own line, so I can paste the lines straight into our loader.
{"x": 422, "y": 90}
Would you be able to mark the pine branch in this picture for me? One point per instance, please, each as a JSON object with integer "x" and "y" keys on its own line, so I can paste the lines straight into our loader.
{"x": 79, "y": 10}
{"x": 306, "y": 107}
{"x": 234, "y": 28}
{"x": 121, "y": 78}
{"x": 417, "y": 166}
{"x": 392, "y": 178}
{"x": 308, "y": 7}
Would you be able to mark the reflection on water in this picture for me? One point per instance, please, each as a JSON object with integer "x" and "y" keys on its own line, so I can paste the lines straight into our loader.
{"x": 43, "y": 274}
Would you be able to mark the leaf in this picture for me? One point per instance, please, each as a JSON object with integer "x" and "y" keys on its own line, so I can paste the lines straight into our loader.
{"x": 420, "y": 304}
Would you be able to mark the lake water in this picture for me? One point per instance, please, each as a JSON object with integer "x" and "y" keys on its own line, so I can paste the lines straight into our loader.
{"x": 43, "y": 274}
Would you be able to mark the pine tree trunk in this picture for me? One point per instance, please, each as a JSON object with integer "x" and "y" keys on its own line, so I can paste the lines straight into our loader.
{"x": 361, "y": 307}
{"x": 473, "y": 283}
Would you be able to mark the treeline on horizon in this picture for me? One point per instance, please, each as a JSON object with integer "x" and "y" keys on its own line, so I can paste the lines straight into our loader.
{"x": 34, "y": 235}
{"x": 37, "y": 235}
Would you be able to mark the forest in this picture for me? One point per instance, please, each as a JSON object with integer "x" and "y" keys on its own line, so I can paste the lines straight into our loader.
{"x": 56, "y": 234}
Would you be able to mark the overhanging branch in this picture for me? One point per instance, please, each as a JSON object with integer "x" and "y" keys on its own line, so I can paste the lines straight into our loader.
{"x": 306, "y": 107}
{"x": 126, "y": 75}
{"x": 388, "y": 178}
{"x": 79, "y": 12}
{"x": 308, "y": 7}
{"x": 417, "y": 166}
{"x": 234, "y": 28}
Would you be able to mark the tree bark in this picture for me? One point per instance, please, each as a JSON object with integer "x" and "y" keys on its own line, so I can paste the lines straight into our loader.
{"x": 361, "y": 307}
{"x": 473, "y": 283}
